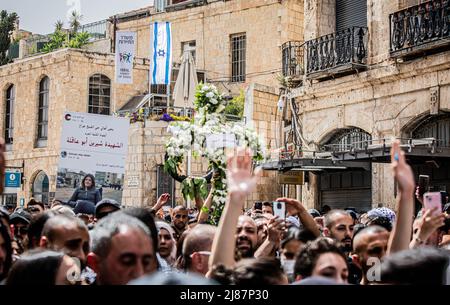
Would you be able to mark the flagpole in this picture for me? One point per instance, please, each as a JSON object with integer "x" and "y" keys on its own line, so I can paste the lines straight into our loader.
{"x": 168, "y": 95}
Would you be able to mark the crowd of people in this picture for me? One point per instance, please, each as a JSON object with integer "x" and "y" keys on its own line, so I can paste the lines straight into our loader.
{"x": 94, "y": 241}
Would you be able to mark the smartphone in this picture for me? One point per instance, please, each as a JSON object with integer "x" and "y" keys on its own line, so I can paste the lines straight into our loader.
{"x": 279, "y": 209}
{"x": 424, "y": 184}
{"x": 432, "y": 200}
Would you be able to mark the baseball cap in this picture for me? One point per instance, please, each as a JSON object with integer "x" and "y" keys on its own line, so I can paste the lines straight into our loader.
{"x": 20, "y": 215}
{"x": 106, "y": 202}
{"x": 293, "y": 220}
{"x": 313, "y": 213}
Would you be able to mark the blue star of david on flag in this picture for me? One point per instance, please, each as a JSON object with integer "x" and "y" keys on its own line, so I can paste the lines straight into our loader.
{"x": 161, "y": 56}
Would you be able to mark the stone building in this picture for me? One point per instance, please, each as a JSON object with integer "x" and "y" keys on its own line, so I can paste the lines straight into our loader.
{"x": 367, "y": 71}
{"x": 236, "y": 45}
{"x": 36, "y": 91}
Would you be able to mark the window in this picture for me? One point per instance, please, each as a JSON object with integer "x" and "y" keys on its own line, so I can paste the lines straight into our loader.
{"x": 350, "y": 13}
{"x": 189, "y": 46}
{"x": 238, "y": 53}
{"x": 9, "y": 200}
{"x": 9, "y": 115}
{"x": 41, "y": 187}
{"x": 99, "y": 94}
{"x": 166, "y": 184}
{"x": 42, "y": 133}
{"x": 160, "y": 5}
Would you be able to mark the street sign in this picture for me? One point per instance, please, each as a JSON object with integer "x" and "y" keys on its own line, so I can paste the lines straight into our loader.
{"x": 292, "y": 177}
{"x": 13, "y": 179}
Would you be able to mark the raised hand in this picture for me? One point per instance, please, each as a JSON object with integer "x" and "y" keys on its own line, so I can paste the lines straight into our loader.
{"x": 402, "y": 172}
{"x": 162, "y": 200}
{"x": 429, "y": 223}
{"x": 293, "y": 206}
{"x": 241, "y": 179}
{"x": 275, "y": 229}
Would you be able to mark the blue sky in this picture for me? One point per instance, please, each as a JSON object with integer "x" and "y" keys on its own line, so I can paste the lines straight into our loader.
{"x": 39, "y": 16}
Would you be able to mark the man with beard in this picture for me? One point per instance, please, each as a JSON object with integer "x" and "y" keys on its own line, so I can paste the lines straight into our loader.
{"x": 246, "y": 237}
{"x": 338, "y": 225}
{"x": 69, "y": 235}
{"x": 369, "y": 243}
{"x": 180, "y": 220}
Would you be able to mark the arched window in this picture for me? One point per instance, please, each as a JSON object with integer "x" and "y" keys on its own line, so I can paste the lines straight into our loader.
{"x": 347, "y": 139}
{"x": 9, "y": 114}
{"x": 99, "y": 94}
{"x": 437, "y": 127}
{"x": 42, "y": 131}
{"x": 41, "y": 187}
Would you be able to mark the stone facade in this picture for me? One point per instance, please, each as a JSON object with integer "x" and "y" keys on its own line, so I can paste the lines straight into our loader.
{"x": 267, "y": 25}
{"x": 384, "y": 101}
{"x": 69, "y": 72}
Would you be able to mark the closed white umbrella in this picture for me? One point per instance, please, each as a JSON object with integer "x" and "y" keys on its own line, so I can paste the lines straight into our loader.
{"x": 184, "y": 91}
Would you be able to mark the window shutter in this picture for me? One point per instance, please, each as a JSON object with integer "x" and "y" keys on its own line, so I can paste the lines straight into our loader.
{"x": 350, "y": 13}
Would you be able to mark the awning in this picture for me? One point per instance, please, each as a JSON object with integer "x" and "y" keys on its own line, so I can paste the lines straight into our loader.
{"x": 315, "y": 165}
{"x": 417, "y": 151}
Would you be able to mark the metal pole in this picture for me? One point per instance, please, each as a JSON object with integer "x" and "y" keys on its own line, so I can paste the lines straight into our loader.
{"x": 188, "y": 203}
{"x": 168, "y": 95}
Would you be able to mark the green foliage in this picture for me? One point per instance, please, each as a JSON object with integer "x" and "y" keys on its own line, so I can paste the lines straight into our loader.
{"x": 59, "y": 24}
{"x": 236, "y": 105}
{"x": 75, "y": 22}
{"x": 7, "y": 23}
{"x": 79, "y": 40}
{"x": 57, "y": 41}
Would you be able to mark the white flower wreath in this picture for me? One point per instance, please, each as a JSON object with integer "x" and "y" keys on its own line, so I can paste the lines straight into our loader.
{"x": 209, "y": 121}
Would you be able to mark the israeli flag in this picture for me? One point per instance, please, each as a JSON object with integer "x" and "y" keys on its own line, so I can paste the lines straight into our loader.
{"x": 161, "y": 60}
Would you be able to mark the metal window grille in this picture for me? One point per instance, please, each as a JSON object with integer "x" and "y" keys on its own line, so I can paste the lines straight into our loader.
{"x": 9, "y": 114}
{"x": 99, "y": 94}
{"x": 238, "y": 57}
{"x": 43, "y": 108}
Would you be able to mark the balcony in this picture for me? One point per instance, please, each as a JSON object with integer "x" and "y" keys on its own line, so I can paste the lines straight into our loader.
{"x": 343, "y": 52}
{"x": 419, "y": 29}
{"x": 293, "y": 60}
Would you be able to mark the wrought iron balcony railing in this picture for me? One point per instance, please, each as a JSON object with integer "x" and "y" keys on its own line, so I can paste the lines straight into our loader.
{"x": 338, "y": 52}
{"x": 421, "y": 27}
{"x": 293, "y": 59}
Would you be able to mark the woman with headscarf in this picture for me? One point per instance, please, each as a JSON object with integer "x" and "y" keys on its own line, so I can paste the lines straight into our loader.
{"x": 167, "y": 243}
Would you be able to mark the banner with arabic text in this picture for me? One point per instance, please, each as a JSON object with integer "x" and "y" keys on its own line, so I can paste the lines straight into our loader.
{"x": 92, "y": 144}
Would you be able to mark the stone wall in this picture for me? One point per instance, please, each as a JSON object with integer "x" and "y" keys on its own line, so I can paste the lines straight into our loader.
{"x": 383, "y": 101}
{"x": 69, "y": 72}
{"x": 267, "y": 24}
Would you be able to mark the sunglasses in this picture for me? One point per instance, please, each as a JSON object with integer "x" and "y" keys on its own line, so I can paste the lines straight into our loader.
{"x": 178, "y": 216}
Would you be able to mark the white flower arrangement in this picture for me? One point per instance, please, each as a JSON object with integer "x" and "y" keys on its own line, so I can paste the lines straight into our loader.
{"x": 186, "y": 136}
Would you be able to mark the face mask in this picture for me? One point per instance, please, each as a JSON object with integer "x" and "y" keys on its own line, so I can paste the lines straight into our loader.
{"x": 288, "y": 266}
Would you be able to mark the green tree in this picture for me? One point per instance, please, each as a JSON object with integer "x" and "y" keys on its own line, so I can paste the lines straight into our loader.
{"x": 75, "y": 22}
{"x": 57, "y": 41}
{"x": 59, "y": 24}
{"x": 7, "y": 23}
{"x": 60, "y": 39}
{"x": 79, "y": 40}
{"x": 236, "y": 105}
